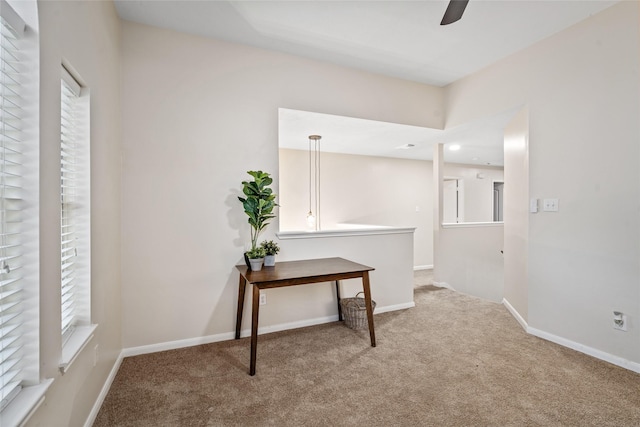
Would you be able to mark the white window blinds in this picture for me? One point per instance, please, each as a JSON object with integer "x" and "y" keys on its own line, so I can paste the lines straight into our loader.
{"x": 69, "y": 187}
{"x": 11, "y": 285}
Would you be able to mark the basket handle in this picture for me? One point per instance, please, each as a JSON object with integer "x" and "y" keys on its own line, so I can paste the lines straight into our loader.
{"x": 352, "y": 303}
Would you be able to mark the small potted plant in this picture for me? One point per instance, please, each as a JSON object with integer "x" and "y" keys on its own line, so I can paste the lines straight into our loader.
{"x": 256, "y": 258}
{"x": 271, "y": 248}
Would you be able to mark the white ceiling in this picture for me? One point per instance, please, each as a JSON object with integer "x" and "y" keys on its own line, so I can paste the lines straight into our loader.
{"x": 481, "y": 142}
{"x": 401, "y": 39}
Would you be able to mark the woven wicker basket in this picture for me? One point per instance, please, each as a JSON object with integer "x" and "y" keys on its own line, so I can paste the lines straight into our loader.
{"x": 354, "y": 311}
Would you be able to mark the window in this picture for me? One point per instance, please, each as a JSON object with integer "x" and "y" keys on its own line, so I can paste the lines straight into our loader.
{"x": 70, "y": 92}
{"x": 75, "y": 253}
{"x": 11, "y": 284}
{"x": 21, "y": 387}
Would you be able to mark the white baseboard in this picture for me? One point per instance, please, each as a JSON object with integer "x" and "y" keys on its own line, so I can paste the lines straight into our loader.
{"x": 291, "y": 325}
{"x": 515, "y": 314}
{"x": 598, "y": 354}
{"x": 226, "y": 336}
{"x": 103, "y": 393}
{"x": 395, "y": 307}
{"x": 422, "y": 267}
{"x": 172, "y": 345}
{"x": 443, "y": 285}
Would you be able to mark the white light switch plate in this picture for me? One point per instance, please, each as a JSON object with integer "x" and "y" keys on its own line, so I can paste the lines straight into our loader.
{"x": 550, "y": 205}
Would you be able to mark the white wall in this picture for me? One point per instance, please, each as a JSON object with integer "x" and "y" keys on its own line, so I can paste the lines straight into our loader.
{"x": 86, "y": 34}
{"x": 581, "y": 87}
{"x": 197, "y": 114}
{"x": 361, "y": 190}
{"x": 470, "y": 260}
{"x": 516, "y": 215}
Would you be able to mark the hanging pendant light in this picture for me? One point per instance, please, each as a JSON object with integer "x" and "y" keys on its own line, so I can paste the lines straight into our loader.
{"x": 313, "y": 220}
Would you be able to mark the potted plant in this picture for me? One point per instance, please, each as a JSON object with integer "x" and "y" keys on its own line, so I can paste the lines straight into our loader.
{"x": 256, "y": 258}
{"x": 271, "y": 248}
{"x": 258, "y": 203}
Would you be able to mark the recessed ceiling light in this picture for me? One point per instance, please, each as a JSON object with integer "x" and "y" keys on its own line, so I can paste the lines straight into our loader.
{"x": 405, "y": 146}
{"x": 454, "y": 147}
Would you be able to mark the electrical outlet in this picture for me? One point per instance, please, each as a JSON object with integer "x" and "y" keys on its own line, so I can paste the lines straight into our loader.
{"x": 619, "y": 321}
{"x": 550, "y": 205}
{"x": 263, "y": 298}
{"x": 95, "y": 355}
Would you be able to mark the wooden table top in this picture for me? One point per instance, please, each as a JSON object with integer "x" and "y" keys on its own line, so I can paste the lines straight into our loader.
{"x": 304, "y": 271}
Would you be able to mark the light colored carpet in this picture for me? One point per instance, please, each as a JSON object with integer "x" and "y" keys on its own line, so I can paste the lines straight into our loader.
{"x": 422, "y": 278}
{"x": 453, "y": 360}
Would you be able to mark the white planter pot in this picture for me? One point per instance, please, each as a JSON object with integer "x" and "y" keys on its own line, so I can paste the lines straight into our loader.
{"x": 256, "y": 263}
{"x": 269, "y": 260}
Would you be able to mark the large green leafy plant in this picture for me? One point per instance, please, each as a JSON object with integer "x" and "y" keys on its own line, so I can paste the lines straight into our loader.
{"x": 258, "y": 203}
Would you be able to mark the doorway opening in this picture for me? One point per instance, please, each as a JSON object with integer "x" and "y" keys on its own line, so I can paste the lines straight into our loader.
{"x": 452, "y": 200}
{"x": 498, "y": 200}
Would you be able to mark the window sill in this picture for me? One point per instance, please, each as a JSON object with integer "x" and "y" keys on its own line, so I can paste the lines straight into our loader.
{"x": 24, "y": 405}
{"x": 75, "y": 344}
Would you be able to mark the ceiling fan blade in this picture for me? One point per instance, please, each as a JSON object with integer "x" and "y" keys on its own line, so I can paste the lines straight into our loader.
{"x": 454, "y": 11}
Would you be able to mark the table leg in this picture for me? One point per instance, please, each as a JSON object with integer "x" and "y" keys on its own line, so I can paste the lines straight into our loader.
{"x": 254, "y": 329}
{"x": 241, "y": 288}
{"x": 367, "y": 301}
{"x": 338, "y": 296}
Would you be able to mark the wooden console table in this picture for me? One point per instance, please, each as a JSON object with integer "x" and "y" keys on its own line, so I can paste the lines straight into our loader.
{"x": 293, "y": 273}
